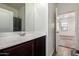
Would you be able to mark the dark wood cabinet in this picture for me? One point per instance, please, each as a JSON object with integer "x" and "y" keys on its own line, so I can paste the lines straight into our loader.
{"x": 20, "y": 50}
{"x": 39, "y": 46}
{"x": 34, "y": 47}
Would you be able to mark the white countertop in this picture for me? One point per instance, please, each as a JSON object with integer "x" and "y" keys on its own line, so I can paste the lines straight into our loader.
{"x": 13, "y": 38}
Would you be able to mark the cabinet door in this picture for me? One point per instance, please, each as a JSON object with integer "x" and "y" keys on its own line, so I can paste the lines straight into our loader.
{"x": 24, "y": 49}
{"x": 39, "y": 46}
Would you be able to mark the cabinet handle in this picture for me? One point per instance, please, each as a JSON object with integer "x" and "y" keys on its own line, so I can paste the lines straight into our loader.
{"x": 4, "y": 54}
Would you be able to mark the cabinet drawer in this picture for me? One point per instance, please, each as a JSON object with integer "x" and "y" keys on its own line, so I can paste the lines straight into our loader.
{"x": 67, "y": 43}
{"x": 67, "y": 38}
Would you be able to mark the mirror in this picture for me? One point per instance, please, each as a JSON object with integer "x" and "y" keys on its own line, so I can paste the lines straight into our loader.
{"x": 63, "y": 25}
{"x": 12, "y": 17}
{"x": 66, "y": 23}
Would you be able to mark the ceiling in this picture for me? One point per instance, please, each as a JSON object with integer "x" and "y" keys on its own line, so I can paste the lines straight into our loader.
{"x": 15, "y": 5}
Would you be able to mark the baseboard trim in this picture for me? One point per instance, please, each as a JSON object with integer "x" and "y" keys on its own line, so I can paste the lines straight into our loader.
{"x": 54, "y": 53}
{"x": 51, "y": 53}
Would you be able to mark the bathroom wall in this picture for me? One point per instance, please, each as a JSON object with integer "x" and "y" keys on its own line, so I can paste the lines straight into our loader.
{"x": 29, "y": 17}
{"x": 41, "y": 17}
{"x": 51, "y": 28}
{"x": 71, "y": 7}
{"x": 38, "y": 19}
{"x": 21, "y": 14}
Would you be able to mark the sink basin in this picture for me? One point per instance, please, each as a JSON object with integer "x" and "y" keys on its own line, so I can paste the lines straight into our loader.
{"x": 21, "y": 33}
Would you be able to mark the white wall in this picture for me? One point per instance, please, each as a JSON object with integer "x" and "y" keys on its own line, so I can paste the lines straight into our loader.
{"x": 15, "y": 11}
{"x": 29, "y": 17}
{"x": 51, "y": 24}
{"x": 41, "y": 17}
{"x": 36, "y": 17}
{"x": 21, "y": 14}
{"x": 71, "y": 7}
{"x": 37, "y": 20}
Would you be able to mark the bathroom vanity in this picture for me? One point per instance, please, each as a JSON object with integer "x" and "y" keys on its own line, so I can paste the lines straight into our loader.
{"x": 31, "y": 44}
